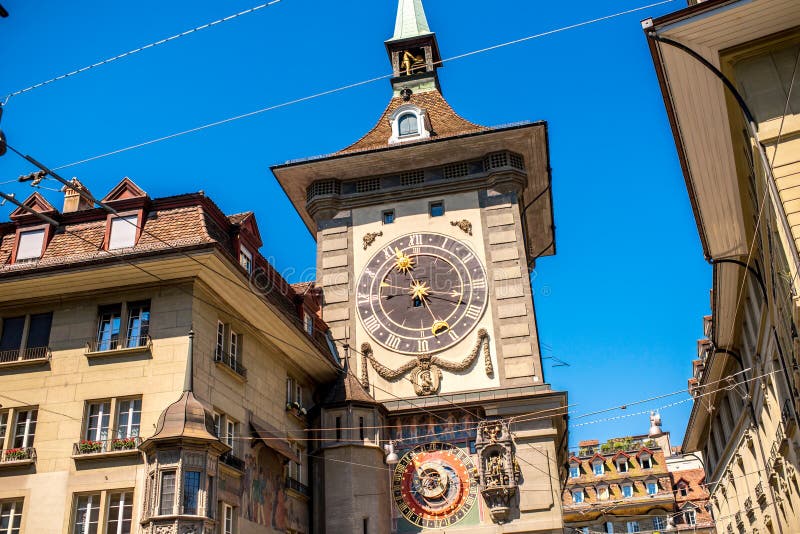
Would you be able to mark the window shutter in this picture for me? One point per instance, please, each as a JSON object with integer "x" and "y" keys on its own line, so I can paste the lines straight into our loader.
{"x": 30, "y": 245}
{"x": 123, "y": 232}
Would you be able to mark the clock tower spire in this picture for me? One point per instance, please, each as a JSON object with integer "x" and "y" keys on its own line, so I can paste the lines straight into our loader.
{"x": 413, "y": 50}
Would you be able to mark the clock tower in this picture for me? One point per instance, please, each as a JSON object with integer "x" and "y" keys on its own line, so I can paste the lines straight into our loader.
{"x": 428, "y": 228}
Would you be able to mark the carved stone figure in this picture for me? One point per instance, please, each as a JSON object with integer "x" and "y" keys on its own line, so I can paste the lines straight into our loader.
{"x": 498, "y": 471}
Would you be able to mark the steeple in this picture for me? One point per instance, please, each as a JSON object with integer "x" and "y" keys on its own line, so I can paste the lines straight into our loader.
{"x": 413, "y": 50}
{"x": 411, "y": 20}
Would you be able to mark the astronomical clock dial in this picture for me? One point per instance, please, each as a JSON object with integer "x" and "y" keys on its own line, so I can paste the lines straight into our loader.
{"x": 421, "y": 293}
{"x": 432, "y": 485}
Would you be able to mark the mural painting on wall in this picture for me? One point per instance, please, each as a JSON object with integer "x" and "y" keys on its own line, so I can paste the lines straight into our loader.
{"x": 264, "y": 497}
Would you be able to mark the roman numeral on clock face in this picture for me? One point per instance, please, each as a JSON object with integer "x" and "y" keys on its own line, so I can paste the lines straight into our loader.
{"x": 473, "y": 311}
{"x": 371, "y": 323}
{"x": 392, "y": 341}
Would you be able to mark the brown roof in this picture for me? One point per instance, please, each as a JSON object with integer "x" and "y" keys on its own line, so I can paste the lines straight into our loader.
{"x": 302, "y": 288}
{"x": 347, "y": 388}
{"x": 185, "y": 418}
{"x": 444, "y": 122}
{"x": 588, "y": 443}
{"x": 237, "y": 218}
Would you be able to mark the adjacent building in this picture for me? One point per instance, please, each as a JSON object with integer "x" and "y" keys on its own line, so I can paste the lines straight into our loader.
{"x": 634, "y": 484}
{"x": 105, "y": 425}
{"x": 730, "y": 76}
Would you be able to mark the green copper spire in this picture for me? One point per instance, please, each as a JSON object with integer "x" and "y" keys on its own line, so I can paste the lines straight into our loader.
{"x": 411, "y": 21}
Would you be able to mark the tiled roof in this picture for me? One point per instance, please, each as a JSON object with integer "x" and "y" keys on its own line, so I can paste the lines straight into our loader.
{"x": 302, "y": 288}
{"x": 444, "y": 122}
{"x": 347, "y": 389}
{"x": 237, "y": 218}
{"x": 588, "y": 443}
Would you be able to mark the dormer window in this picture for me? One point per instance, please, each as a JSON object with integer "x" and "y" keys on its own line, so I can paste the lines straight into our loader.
{"x": 409, "y": 122}
{"x": 574, "y": 471}
{"x": 598, "y": 468}
{"x": 627, "y": 490}
{"x": 646, "y": 462}
{"x": 122, "y": 233}
{"x": 622, "y": 465}
{"x": 408, "y": 125}
{"x": 246, "y": 260}
{"x": 30, "y": 246}
{"x": 308, "y": 322}
{"x": 602, "y": 493}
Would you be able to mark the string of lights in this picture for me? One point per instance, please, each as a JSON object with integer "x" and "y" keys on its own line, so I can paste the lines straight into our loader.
{"x": 354, "y": 85}
{"x": 138, "y": 49}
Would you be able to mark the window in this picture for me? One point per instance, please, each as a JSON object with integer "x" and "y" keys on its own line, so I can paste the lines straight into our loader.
{"x": 220, "y": 349}
{"x": 120, "y": 513}
{"x": 294, "y": 393}
{"x": 3, "y": 427}
{"x": 338, "y": 428}
{"x": 408, "y": 125}
{"x": 166, "y": 504}
{"x": 294, "y": 470}
{"x": 633, "y": 526}
{"x": 231, "y": 428}
{"x": 577, "y": 496}
{"x": 598, "y": 468}
{"x": 689, "y": 517}
{"x": 246, "y": 260}
{"x": 388, "y": 217}
{"x": 764, "y": 81}
{"x": 574, "y": 471}
{"x": 87, "y": 514}
{"x": 138, "y": 324}
{"x": 123, "y": 232}
{"x": 218, "y": 424}
{"x": 646, "y": 462}
{"x": 129, "y": 415}
{"x": 602, "y": 493}
{"x": 227, "y": 519}
{"x": 609, "y": 527}
{"x": 25, "y": 428}
{"x": 97, "y": 414}
{"x": 627, "y": 490}
{"x": 683, "y": 490}
{"x": 659, "y": 523}
{"x": 110, "y": 323}
{"x": 210, "y": 503}
{"x": 308, "y": 322}
{"x": 35, "y": 344}
{"x": 437, "y": 208}
{"x": 652, "y": 488}
{"x": 365, "y": 525}
{"x": 10, "y": 517}
{"x": 235, "y": 348}
{"x": 361, "y": 428}
{"x": 31, "y": 245}
{"x": 622, "y": 466}
{"x": 191, "y": 491}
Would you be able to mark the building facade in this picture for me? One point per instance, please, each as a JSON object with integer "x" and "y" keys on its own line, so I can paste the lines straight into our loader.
{"x": 635, "y": 484}
{"x": 427, "y": 229}
{"x": 728, "y": 73}
{"x": 99, "y": 432}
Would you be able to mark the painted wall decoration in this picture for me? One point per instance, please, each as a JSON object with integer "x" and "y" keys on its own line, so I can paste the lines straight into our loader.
{"x": 265, "y": 500}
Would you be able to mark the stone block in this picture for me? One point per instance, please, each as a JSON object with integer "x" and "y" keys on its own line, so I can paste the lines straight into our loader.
{"x": 337, "y": 278}
{"x": 334, "y": 244}
{"x": 514, "y": 309}
{"x": 507, "y": 273}
{"x": 505, "y": 253}
{"x": 506, "y": 236}
{"x": 514, "y": 330}
{"x": 517, "y": 349}
{"x": 329, "y": 262}
{"x": 334, "y": 294}
{"x": 335, "y": 314}
{"x": 519, "y": 367}
{"x": 508, "y": 291}
{"x": 500, "y": 219}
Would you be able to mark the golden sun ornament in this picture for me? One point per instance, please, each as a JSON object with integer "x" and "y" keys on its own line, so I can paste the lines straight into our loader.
{"x": 404, "y": 263}
{"x": 419, "y": 290}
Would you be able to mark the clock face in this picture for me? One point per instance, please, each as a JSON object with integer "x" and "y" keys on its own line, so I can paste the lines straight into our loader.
{"x": 432, "y": 485}
{"x": 421, "y": 293}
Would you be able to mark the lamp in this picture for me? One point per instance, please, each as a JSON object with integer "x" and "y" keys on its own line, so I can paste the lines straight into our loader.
{"x": 391, "y": 456}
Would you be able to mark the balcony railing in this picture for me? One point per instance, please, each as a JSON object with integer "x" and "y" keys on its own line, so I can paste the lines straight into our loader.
{"x": 18, "y": 455}
{"x": 30, "y": 354}
{"x": 760, "y": 495}
{"x": 116, "y": 344}
{"x": 231, "y": 460}
{"x": 297, "y": 486}
{"x": 89, "y": 447}
{"x": 230, "y": 362}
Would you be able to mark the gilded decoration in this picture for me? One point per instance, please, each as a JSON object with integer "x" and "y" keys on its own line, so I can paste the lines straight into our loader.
{"x": 498, "y": 470}
{"x": 463, "y": 225}
{"x": 369, "y": 238}
{"x": 426, "y": 370}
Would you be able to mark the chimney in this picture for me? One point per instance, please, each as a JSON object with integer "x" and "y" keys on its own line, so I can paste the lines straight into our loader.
{"x": 73, "y": 201}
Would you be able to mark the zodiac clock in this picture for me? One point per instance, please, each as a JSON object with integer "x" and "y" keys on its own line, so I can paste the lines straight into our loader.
{"x": 433, "y": 485}
{"x": 422, "y": 293}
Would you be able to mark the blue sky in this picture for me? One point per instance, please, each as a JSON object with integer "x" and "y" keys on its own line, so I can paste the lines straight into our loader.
{"x": 622, "y": 301}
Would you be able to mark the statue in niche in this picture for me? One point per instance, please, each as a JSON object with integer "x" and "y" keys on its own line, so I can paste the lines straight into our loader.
{"x": 410, "y": 63}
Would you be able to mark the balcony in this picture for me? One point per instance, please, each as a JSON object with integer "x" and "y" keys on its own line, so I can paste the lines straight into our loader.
{"x": 25, "y": 357}
{"x": 231, "y": 365}
{"x": 16, "y": 457}
{"x": 297, "y": 487}
{"x": 90, "y": 449}
{"x": 231, "y": 460}
{"x": 760, "y": 495}
{"x": 115, "y": 346}
{"x": 748, "y": 505}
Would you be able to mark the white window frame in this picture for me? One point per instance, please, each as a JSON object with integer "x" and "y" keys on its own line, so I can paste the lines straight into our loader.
{"x": 659, "y": 523}
{"x": 647, "y": 459}
{"x": 219, "y": 350}
{"x": 126, "y": 238}
{"x": 683, "y": 489}
{"x": 602, "y": 469}
{"x": 308, "y": 322}
{"x": 129, "y": 429}
{"x": 633, "y": 526}
{"x": 629, "y": 487}
{"x": 11, "y": 506}
{"x": 603, "y": 490}
{"x": 121, "y": 512}
{"x": 85, "y": 527}
{"x": 234, "y": 348}
{"x": 246, "y": 259}
{"x": 227, "y": 518}
{"x": 31, "y": 245}
{"x": 578, "y": 496}
{"x": 423, "y": 130}
{"x": 622, "y": 466}
{"x": 218, "y": 424}
{"x": 653, "y": 485}
{"x": 574, "y": 471}
{"x": 690, "y": 516}
{"x": 101, "y": 431}
{"x": 230, "y": 432}
{"x": 28, "y": 435}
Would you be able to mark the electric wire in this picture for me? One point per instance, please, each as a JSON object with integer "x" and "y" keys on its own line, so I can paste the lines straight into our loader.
{"x": 354, "y": 85}
{"x": 138, "y": 49}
